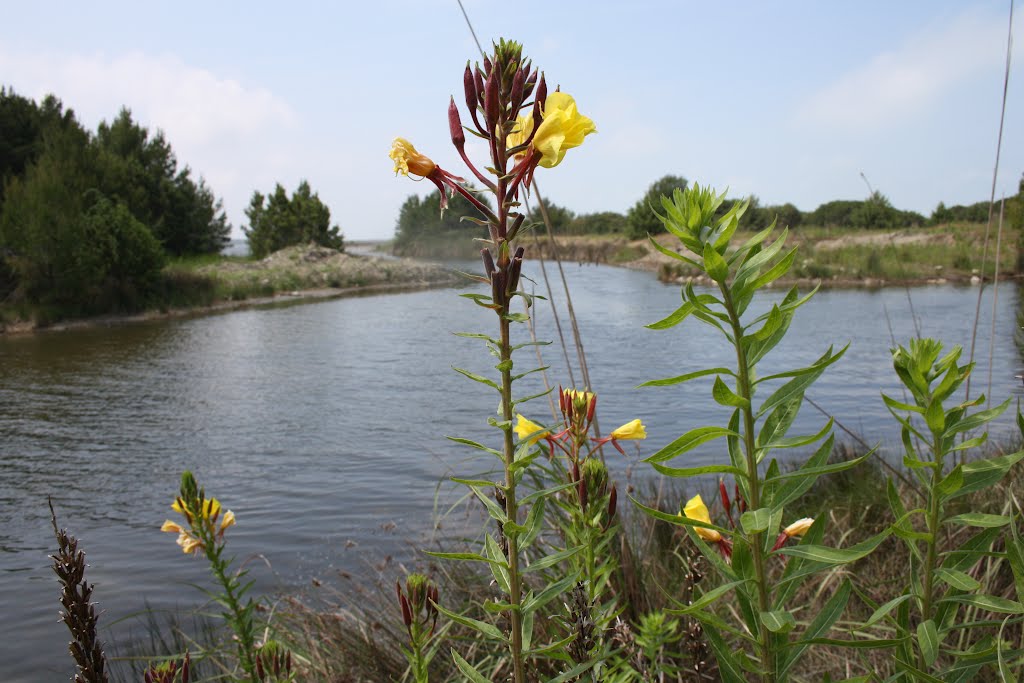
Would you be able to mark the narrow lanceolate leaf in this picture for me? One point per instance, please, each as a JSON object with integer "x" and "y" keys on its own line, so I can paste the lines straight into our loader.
{"x": 778, "y": 621}
{"x": 689, "y": 441}
{"x": 533, "y": 524}
{"x": 535, "y": 602}
{"x": 469, "y": 557}
{"x": 979, "y": 474}
{"x": 483, "y": 627}
{"x": 553, "y": 559}
{"x": 499, "y": 564}
{"x": 1015, "y": 556}
{"x": 935, "y": 417}
{"x": 798, "y": 384}
{"x": 826, "y": 555}
{"x": 978, "y": 519}
{"x": 928, "y": 641}
{"x": 773, "y": 273}
{"x": 820, "y": 625}
{"x": 990, "y": 603}
{"x": 474, "y": 444}
{"x": 706, "y": 599}
{"x": 725, "y": 396}
{"x": 755, "y": 521}
{"x": 477, "y": 378}
{"x": 683, "y": 472}
{"x": 728, "y": 668}
{"x": 884, "y": 610}
{"x": 686, "y": 378}
{"x": 958, "y": 580}
{"x": 467, "y": 669}
{"x": 677, "y": 316}
{"x": 977, "y": 419}
{"x": 714, "y": 264}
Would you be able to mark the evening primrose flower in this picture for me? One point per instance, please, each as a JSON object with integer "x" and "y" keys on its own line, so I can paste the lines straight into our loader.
{"x": 799, "y": 527}
{"x": 521, "y": 133}
{"x": 633, "y": 429}
{"x": 529, "y": 431}
{"x": 697, "y": 510}
{"x": 561, "y": 129}
{"x": 204, "y": 523}
{"x": 408, "y": 160}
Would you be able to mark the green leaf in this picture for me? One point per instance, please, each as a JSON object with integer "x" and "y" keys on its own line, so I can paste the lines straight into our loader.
{"x": 677, "y": 316}
{"x": 821, "y": 624}
{"x": 689, "y": 441}
{"x": 823, "y": 469}
{"x": 533, "y": 524}
{"x": 683, "y": 472}
{"x": 477, "y": 378}
{"x": 729, "y": 669}
{"x": 777, "y": 424}
{"x": 533, "y": 603}
{"x": 935, "y": 417}
{"x": 959, "y": 580}
{"x": 471, "y": 557}
{"x": 775, "y": 272}
{"x": 778, "y": 621}
{"x": 478, "y": 446}
{"x": 979, "y": 474}
{"x": 723, "y": 395}
{"x": 951, "y": 483}
{"x": 798, "y": 384}
{"x": 884, "y": 610}
{"x": 482, "y": 626}
{"x": 826, "y": 555}
{"x": 707, "y": 598}
{"x": 553, "y": 559}
{"x": 928, "y": 640}
{"x": 977, "y": 419}
{"x": 893, "y": 404}
{"x": 493, "y": 509}
{"x": 672, "y": 254}
{"x": 714, "y": 264}
{"x": 978, "y": 519}
{"x": 499, "y": 564}
{"x": 989, "y": 603}
{"x": 685, "y": 378}
{"x": 472, "y": 675}
{"x": 755, "y": 521}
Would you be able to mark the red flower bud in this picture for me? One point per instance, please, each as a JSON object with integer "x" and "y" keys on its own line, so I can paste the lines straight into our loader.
{"x": 472, "y": 96}
{"x": 538, "y": 102}
{"x": 612, "y": 501}
{"x": 488, "y": 262}
{"x": 491, "y": 93}
{"x": 455, "y": 126}
{"x": 516, "y": 95}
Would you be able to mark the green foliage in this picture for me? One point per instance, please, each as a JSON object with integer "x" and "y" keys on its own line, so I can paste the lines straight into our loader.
{"x": 277, "y": 221}
{"x": 421, "y": 224}
{"x": 141, "y": 171}
{"x": 642, "y": 219}
{"x": 932, "y": 619}
{"x": 23, "y": 125}
{"x": 600, "y": 223}
{"x": 698, "y": 218}
{"x": 875, "y": 212}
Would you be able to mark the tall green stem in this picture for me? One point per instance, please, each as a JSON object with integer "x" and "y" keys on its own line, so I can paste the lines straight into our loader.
{"x": 931, "y": 557}
{"x": 240, "y": 620}
{"x": 757, "y": 552}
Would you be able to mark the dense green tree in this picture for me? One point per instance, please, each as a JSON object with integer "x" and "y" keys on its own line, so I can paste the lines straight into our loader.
{"x": 67, "y": 244}
{"x": 641, "y": 218}
{"x": 141, "y": 170}
{"x": 601, "y": 223}
{"x": 277, "y": 221}
{"x": 423, "y": 229}
{"x": 559, "y": 216}
{"x": 23, "y": 124}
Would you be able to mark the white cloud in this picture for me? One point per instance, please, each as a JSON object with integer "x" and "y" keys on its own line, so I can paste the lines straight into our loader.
{"x": 898, "y": 84}
{"x": 233, "y": 134}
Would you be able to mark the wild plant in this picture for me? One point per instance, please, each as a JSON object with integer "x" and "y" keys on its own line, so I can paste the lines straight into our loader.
{"x": 203, "y": 533}
{"x": 759, "y": 568}
{"x": 520, "y": 134}
{"x": 418, "y": 604}
{"x": 945, "y": 627}
{"x": 584, "y": 517}
{"x": 79, "y": 613}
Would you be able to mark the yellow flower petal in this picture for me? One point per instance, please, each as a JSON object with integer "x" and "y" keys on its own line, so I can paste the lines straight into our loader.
{"x": 529, "y": 431}
{"x": 561, "y": 129}
{"x": 631, "y": 430}
{"x": 521, "y": 133}
{"x": 799, "y": 527}
{"x": 696, "y": 509}
{"x": 408, "y": 160}
{"x": 227, "y": 520}
{"x": 172, "y": 527}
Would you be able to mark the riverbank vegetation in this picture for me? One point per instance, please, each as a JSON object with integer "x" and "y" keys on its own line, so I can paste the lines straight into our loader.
{"x": 779, "y": 558}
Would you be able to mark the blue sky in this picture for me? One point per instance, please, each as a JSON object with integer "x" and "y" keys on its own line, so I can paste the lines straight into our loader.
{"x": 789, "y": 101}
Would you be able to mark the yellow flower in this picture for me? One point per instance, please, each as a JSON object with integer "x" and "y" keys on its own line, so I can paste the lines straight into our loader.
{"x": 408, "y": 160}
{"x": 631, "y": 430}
{"x": 521, "y": 133}
{"x": 561, "y": 129}
{"x": 799, "y": 527}
{"x": 227, "y": 520}
{"x": 696, "y": 509}
{"x": 188, "y": 542}
{"x": 529, "y": 431}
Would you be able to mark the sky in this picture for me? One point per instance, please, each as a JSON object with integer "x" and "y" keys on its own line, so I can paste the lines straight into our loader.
{"x": 788, "y": 101}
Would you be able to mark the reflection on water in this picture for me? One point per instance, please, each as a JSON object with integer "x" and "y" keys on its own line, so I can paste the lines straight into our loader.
{"x": 322, "y": 425}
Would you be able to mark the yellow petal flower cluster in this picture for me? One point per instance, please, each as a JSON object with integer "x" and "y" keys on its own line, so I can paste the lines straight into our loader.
{"x": 696, "y": 509}
{"x": 408, "y": 160}
{"x": 206, "y": 517}
{"x": 529, "y": 431}
{"x": 521, "y": 133}
{"x": 561, "y": 129}
{"x": 633, "y": 429}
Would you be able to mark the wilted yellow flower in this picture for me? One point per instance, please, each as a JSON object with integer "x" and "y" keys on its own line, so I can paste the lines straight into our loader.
{"x": 696, "y": 509}
{"x": 521, "y": 133}
{"x": 227, "y": 520}
{"x": 529, "y": 431}
{"x": 631, "y": 430}
{"x": 799, "y": 527}
{"x": 561, "y": 129}
{"x": 188, "y": 542}
{"x": 408, "y": 160}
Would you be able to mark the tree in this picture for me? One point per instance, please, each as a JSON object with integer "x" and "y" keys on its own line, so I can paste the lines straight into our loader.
{"x": 277, "y": 221}
{"x": 559, "y": 216}
{"x": 641, "y": 219}
{"x": 23, "y": 124}
{"x": 601, "y": 223}
{"x": 421, "y": 228}
{"x": 141, "y": 170}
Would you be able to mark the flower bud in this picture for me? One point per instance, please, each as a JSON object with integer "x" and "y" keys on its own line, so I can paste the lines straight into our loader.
{"x": 491, "y": 97}
{"x": 539, "y": 97}
{"x": 488, "y": 262}
{"x": 487, "y": 65}
{"x": 799, "y": 527}
{"x": 455, "y": 126}
{"x": 516, "y": 96}
{"x": 612, "y": 500}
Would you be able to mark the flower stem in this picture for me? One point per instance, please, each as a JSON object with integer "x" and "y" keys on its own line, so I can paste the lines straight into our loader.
{"x": 757, "y": 552}
{"x": 239, "y": 618}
